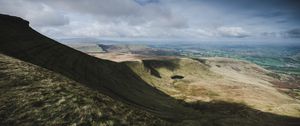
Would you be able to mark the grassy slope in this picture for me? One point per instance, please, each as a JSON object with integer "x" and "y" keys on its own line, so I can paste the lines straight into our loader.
{"x": 217, "y": 79}
{"x": 88, "y": 48}
{"x": 116, "y": 80}
{"x": 31, "y": 95}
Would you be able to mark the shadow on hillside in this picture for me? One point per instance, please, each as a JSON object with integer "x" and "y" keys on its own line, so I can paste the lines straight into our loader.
{"x": 228, "y": 114}
{"x": 152, "y": 65}
{"x": 169, "y": 64}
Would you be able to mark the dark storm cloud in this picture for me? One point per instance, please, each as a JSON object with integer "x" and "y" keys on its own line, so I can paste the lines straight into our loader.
{"x": 260, "y": 5}
{"x": 271, "y": 14}
{"x": 284, "y": 9}
{"x": 293, "y": 33}
{"x": 144, "y": 2}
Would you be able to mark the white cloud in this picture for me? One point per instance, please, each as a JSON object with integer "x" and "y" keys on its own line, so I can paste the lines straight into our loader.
{"x": 39, "y": 14}
{"x": 145, "y": 19}
{"x": 238, "y": 32}
{"x": 47, "y": 17}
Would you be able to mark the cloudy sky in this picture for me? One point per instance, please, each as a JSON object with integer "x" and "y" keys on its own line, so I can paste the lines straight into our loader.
{"x": 266, "y": 20}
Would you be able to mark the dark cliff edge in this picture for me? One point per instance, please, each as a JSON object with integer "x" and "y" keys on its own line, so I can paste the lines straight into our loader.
{"x": 114, "y": 79}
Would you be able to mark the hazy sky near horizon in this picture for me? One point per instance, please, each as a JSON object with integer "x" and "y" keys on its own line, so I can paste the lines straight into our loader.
{"x": 267, "y": 20}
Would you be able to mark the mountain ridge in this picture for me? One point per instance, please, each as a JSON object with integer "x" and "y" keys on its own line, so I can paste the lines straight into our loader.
{"x": 33, "y": 47}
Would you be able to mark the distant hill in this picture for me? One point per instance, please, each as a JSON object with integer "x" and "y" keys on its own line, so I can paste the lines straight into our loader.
{"x": 87, "y": 48}
{"x": 43, "y": 82}
{"x": 137, "y": 49}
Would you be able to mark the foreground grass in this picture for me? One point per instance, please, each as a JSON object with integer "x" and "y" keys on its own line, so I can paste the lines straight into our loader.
{"x": 31, "y": 95}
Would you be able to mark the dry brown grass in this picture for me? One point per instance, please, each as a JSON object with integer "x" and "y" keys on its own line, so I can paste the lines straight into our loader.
{"x": 223, "y": 79}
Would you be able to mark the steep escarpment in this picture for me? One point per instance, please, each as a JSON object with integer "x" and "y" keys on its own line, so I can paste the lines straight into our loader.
{"x": 31, "y": 95}
{"x": 114, "y": 79}
{"x": 59, "y": 86}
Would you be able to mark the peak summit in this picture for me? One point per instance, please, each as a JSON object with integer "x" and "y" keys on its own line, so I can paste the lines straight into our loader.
{"x": 13, "y": 19}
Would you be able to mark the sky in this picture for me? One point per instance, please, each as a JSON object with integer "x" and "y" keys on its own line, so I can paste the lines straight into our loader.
{"x": 218, "y": 20}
